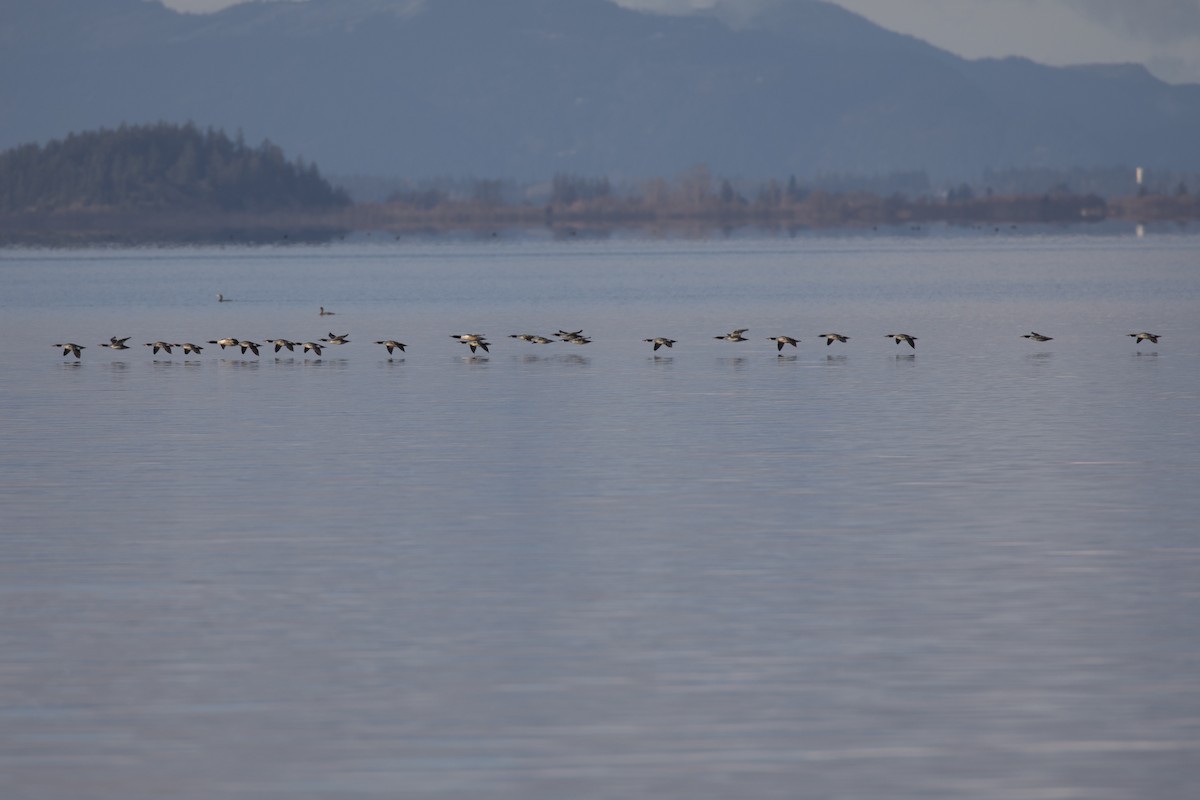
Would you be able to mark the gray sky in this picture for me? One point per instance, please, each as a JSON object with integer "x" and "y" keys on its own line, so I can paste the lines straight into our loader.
{"x": 1162, "y": 34}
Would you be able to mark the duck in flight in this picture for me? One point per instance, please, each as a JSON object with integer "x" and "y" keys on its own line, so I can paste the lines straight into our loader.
{"x": 72, "y": 348}
{"x": 662, "y": 341}
{"x": 391, "y": 344}
{"x": 228, "y": 341}
{"x": 1034, "y": 336}
{"x": 282, "y": 343}
{"x": 734, "y": 336}
{"x": 343, "y": 339}
{"x": 116, "y": 344}
{"x": 472, "y": 340}
{"x": 1144, "y": 336}
{"x": 188, "y": 347}
{"x": 903, "y": 337}
{"x": 780, "y": 341}
{"x": 160, "y": 346}
{"x": 830, "y": 337}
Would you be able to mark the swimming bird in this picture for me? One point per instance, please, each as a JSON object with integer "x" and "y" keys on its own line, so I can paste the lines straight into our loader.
{"x": 1035, "y": 336}
{"x": 281, "y": 343}
{"x": 222, "y": 298}
{"x": 188, "y": 347}
{"x": 246, "y": 344}
{"x": 1144, "y": 336}
{"x": 343, "y": 339}
{"x": 71, "y": 347}
{"x": 316, "y": 348}
{"x": 734, "y": 336}
{"x": 116, "y": 344}
{"x": 830, "y": 337}
{"x": 228, "y": 341}
{"x": 391, "y": 344}
{"x": 780, "y": 341}
{"x": 662, "y": 341}
{"x": 903, "y": 337}
{"x": 160, "y": 346}
{"x": 325, "y": 313}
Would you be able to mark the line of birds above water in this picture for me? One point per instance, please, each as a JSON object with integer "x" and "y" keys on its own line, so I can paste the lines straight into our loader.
{"x": 478, "y": 341}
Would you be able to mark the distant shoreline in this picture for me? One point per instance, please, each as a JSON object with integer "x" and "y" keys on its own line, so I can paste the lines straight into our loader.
{"x": 87, "y": 227}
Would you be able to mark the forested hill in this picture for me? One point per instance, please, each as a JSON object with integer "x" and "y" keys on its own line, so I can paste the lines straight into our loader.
{"x": 160, "y": 167}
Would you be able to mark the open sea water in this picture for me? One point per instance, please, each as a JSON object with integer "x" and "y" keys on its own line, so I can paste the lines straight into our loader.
{"x": 965, "y": 570}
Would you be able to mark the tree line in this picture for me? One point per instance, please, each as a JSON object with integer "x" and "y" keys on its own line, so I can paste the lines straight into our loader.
{"x": 698, "y": 197}
{"x": 178, "y": 182}
{"x": 160, "y": 167}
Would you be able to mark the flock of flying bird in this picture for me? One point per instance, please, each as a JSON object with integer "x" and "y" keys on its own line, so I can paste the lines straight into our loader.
{"x": 479, "y": 341}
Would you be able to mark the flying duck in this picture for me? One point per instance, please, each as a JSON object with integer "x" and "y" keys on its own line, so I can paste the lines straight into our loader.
{"x": 903, "y": 337}
{"x": 391, "y": 344}
{"x": 246, "y": 344}
{"x": 188, "y": 347}
{"x": 281, "y": 343}
{"x": 160, "y": 346}
{"x": 1144, "y": 336}
{"x": 662, "y": 341}
{"x": 72, "y": 348}
{"x": 343, "y": 339}
{"x": 316, "y": 348}
{"x": 830, "y": 337}
{"x": 1036, "y": 337}
{"x": 780, "y": 341}
{"x": 116, "y": 344}
{"x": 228, "y": 341}
{"x": 472, "y": 340}
{"x": 734, "y": 336}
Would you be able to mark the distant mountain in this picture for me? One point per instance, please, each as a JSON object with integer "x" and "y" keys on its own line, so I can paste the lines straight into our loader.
{"x": 529, "y": 88}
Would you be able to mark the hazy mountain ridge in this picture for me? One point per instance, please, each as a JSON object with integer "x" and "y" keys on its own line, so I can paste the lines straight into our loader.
{"x": 527, "y": 88}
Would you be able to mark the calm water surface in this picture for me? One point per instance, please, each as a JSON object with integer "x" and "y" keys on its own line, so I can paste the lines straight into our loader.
{"x": 969, "y": 570}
